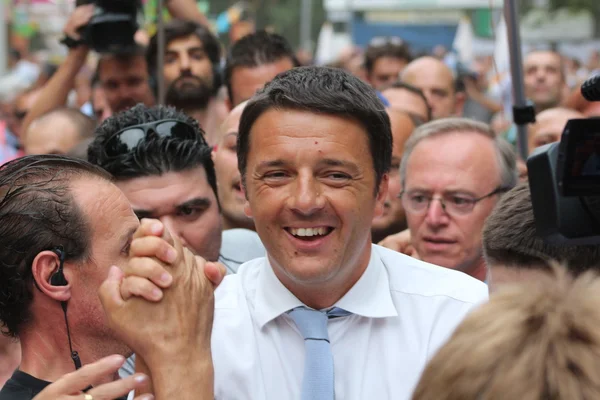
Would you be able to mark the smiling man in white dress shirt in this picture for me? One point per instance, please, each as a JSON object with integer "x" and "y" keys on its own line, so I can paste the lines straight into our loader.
{"x": 314, "y": 149}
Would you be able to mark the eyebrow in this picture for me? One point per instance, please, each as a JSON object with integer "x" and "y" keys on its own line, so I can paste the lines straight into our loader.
{"x": 203, "y": 202}
{"x": 125, "y": 237}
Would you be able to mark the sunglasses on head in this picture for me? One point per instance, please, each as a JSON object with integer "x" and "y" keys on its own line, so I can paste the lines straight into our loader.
{"x": 126, "y": 140}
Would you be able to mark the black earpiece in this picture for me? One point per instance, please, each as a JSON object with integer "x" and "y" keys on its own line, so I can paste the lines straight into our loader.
{"x": 58, "y": 278}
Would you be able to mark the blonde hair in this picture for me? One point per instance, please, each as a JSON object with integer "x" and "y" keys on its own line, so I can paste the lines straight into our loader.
{"x": 530, "y": 342}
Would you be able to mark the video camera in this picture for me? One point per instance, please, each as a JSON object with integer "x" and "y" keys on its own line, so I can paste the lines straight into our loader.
{"x": 113, "y": 26}
{"x": 564, "y": 179}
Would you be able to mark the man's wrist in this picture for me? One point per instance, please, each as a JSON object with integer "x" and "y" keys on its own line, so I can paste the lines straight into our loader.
{"x": 183, "y": 379}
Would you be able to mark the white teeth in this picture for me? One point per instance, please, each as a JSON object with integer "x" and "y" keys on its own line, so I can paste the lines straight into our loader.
{"x": 303, "y": 232}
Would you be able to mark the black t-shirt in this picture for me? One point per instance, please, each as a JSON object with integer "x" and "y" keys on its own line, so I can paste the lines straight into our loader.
{"x": 22, "y": 386}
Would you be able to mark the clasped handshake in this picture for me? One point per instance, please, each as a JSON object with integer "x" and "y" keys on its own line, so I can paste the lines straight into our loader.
{"x": 160, "y": 305}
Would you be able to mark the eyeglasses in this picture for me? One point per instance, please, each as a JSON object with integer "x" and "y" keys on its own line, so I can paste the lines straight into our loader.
{"x": 418, "y": 203}
{"x": 126, "y": 140}
{"x": 380, "y": 41}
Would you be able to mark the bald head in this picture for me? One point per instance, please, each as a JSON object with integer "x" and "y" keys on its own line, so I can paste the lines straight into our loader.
{"x": 549, "y": 126}
{"x": 436, "y": 81}
{"x": 231, "y": 123}
{"x": 57, "y": 132}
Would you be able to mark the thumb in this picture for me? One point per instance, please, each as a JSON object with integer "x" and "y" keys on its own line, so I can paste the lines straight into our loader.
{"x": 110, "y": 290}
{"x": 215, "y": 272}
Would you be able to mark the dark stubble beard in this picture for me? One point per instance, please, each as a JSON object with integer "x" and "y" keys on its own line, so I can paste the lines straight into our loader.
{"x": 193, "y": 94}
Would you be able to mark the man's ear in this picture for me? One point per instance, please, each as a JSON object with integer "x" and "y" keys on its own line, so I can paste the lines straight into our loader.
{"x": 382, "y": 192}
{"x": 44, "y": 266}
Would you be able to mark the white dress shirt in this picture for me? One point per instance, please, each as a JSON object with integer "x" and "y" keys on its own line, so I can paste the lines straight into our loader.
{"x": 403, "y": 311}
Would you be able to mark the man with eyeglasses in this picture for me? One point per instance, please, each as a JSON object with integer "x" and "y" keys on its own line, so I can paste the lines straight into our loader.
{"x": 162, "y": 163}
{"x": 453, "y": 172}
{"x": 385, "y": 58}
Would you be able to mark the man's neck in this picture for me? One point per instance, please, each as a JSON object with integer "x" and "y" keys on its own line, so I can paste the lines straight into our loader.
{"x": 45, "y": 352}
{"x": 479, "y": 270}
{"x": 208, "y": 118}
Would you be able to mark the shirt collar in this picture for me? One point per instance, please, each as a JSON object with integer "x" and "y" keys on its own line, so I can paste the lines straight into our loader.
{"x": 370, "y": 297}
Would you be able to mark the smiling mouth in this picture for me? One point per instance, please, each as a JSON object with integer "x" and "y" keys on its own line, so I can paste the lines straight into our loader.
{"x": 310, "y": 234}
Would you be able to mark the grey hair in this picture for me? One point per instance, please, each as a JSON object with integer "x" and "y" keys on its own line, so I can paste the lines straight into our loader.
{"x": 506, "y": 156}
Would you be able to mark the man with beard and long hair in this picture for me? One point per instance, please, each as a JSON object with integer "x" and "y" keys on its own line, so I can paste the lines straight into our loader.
{"x": 191, "y": 73}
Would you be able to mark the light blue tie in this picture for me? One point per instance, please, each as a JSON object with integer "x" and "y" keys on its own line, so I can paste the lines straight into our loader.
{"x": 317, "y": 383}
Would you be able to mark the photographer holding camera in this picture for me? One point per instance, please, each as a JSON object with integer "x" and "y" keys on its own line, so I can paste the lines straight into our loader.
{"x": 107, "y": 27}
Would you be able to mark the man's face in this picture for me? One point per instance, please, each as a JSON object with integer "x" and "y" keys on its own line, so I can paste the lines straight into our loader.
{"x": 184, "y": 202}
{"x": 55, "y": 135}
{"x": 543, "y": 79}
{"x": 229, "y": 182}
{"x": 393, "y": 219}
{"x": 125, "y": 82}
{"x": 469, "y": 171}
{"x": 549, "y": 126}
{"x": 245, "y": 81}
{"x": 437, "y": 83}
{"x": 112, "y": 224}
{"x": 407, "y": 101}
{"x": 188, "y": 72}
{"x": 386, "y": 70}
{"x": 310, "y": 184}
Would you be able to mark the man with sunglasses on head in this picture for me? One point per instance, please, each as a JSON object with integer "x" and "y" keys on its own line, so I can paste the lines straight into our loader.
{"x": 385, "y": 58}
{"x": 162, "y": 163}
{"x": 452, "y": 173}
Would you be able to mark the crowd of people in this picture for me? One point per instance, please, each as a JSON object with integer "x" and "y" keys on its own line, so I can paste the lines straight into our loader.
{"x": 278, "y": 230}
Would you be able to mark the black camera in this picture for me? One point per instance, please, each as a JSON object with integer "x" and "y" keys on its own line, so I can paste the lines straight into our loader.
{"x": 113, "y": 26}
{"x": 564, "y": 179}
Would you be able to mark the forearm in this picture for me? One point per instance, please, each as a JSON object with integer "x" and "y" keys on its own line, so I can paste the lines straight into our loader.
{"x": 486, "y": 102}
{"x": 184, "y": 379}
{"x": 55, "y": 93}
{"x": 186, "y": 10}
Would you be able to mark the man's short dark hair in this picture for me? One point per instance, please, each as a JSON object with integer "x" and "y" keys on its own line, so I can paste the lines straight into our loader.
{"x": 37, "y": 212}
{"x": 389, "y": 49}
{"x": 413, "y": 89}
{"x": 155, "y": 155}
{"x": 126, "y": 56}
{"x": 176, "y": 29}
{"x": 254, "y": 50}
{"x": 322, "y": 90}
{"x": 510, "y": 238}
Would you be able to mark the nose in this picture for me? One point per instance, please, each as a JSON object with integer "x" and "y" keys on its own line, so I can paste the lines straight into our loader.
{"x": 171, "y": 225}
{"x": 184, "y": 62}
{"x": 436, "y": 215}
{"x": 306, "y": 197}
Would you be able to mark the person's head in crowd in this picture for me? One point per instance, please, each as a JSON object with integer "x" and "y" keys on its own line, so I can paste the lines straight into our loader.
{"x": 57, "y": 132}
{"x": 59, "y": 215}
{"x": 21, "y": 106}
{"x": 385, "y": 58}
{"x": 514, "y": 251}
{"x": 314, "y": 151}
{"x": 539, "y": 340}
{"x": 549, "y": 125}
{"x": 437, "y": 82}
{"x": 229, "y": 181}
{"x": 191, "y": 64}
{"x": 125, "y": 79}
{"x": 393, "y": 219}
{"x": 160, "y": 160}
{"x": 253, "y": 61}
{"x": 453, "y": 172}
{"x": 99, "y": 102}
{"x": 80, "y": 150}
{"x": 405, "y": 97}
{"x": 352, "y": 59}
{"x": 544, "y": 79}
